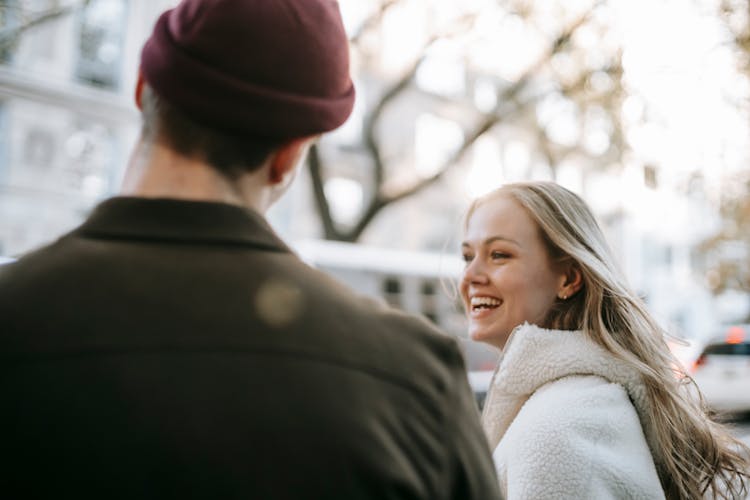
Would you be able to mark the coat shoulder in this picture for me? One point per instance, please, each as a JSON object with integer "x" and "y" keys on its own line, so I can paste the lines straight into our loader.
{"x": 578, "y": 437}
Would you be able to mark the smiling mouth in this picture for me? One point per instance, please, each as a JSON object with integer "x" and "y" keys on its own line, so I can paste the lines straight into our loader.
{"x": 479, "y": 304}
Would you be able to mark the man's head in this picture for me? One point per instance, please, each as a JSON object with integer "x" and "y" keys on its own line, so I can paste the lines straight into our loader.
{"x": 230, "y": 81}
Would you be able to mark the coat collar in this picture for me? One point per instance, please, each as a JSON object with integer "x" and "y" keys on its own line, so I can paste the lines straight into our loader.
{"x": 179, "y": 221}
{"x": 534, "y": 356}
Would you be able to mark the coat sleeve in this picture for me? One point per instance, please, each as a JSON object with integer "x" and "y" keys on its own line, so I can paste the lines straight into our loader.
{"x": 577, "y": 438}
{"x": 472, "y": 473}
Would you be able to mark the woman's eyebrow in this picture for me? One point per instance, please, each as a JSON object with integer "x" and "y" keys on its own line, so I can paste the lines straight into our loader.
{"x": 492, "y": 239}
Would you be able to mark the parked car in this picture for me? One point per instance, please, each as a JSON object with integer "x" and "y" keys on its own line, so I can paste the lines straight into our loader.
{"x": 722, "y": 371}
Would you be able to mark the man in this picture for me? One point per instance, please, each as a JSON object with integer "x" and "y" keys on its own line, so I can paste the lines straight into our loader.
{"x": 172, "y": 346}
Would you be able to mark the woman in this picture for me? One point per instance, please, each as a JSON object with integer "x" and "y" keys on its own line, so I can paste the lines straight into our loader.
{"x": 585, "y": 402}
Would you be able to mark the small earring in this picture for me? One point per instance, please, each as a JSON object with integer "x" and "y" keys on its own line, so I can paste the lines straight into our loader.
{"x": 564, "y": 296}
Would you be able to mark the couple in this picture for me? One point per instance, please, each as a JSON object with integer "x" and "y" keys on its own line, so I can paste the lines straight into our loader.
{"x": 173, "y": 346}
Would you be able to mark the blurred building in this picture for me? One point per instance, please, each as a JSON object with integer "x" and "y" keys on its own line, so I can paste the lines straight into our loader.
{"x": 67, "y": 123}
{"x": 67, "y": 120}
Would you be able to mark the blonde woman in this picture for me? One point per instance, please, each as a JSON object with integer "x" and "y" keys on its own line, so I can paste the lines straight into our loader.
{"x": 585, "y": 402}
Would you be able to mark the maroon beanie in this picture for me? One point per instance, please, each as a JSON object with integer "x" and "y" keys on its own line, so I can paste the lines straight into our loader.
{"x": 277, "y": 69}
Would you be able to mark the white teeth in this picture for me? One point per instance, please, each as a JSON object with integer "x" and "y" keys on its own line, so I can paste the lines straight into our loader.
{"x": 484, "y": 302}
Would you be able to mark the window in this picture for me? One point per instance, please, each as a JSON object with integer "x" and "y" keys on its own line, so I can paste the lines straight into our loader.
{"x": 429, "y": 300}
{"x": 392, "y": 291}
{"x": 4, "y": 143}
{"x": 8, "y": 22}
{"x": 100, "y": 43}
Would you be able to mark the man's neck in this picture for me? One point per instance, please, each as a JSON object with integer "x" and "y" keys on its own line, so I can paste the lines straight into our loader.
{"x": 156, "y": 171}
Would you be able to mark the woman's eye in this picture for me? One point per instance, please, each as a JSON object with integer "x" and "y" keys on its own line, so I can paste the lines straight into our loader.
{"x": 499, "y": 255}
{"x": 467, "y": 257}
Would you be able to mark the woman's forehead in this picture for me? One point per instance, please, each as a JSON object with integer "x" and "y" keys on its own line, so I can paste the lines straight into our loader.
{"x": 500, "y": 216}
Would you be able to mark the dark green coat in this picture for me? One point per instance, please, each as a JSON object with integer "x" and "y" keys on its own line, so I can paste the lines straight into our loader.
{"x": 174, "y": 349}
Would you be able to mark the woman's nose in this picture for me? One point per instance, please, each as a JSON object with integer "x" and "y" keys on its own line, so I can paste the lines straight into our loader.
{"x": 475, "y": 273}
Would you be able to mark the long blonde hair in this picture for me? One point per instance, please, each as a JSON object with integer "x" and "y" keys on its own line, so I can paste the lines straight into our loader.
{"x": 693, "y": 454}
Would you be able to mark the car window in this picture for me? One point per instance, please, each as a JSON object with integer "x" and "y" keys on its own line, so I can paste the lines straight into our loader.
{"x": 742, "y": 349}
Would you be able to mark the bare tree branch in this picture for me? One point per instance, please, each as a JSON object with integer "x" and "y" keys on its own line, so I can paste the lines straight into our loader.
{"x": 475, "y": 134}
{"x": 370, "y": 126}
{"x": 373, "y": 20}
{"x": 372, "y": 210}
{"x": 321, "y": 202}
{"x": 372, "y": 144}
{"x": 380, "y": 200}
{"x": 491, "y": 120}
{"x": 10, "y": 35}
{"x": 544, "y": 147}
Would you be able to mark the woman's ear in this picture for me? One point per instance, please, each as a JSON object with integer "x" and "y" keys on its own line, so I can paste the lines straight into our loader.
{"x": 571, "y": 280}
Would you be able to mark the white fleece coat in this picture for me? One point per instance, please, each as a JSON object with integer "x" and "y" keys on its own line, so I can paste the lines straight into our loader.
{"x": 566, "y": 420}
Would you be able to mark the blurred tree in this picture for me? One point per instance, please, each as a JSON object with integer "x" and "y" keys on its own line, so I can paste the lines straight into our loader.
{"x": 561, "y": 89}
{"x": 736, "y": 14}
{"x": 541, "y": 78}
{"x": 18, "y": 16}
{"x": 726, "y": 254}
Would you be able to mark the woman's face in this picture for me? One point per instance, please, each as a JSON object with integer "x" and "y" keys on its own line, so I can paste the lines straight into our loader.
{"x": 509, "y": 277}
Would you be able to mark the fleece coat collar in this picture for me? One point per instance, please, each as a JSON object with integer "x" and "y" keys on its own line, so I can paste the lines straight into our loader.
{"x": 536, "y": 356}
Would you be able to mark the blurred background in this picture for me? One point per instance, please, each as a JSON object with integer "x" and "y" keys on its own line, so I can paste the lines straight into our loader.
{"x": 639, "y": 106}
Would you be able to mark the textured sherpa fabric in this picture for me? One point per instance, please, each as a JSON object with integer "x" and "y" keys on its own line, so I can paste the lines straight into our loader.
{"x": 567, "y": 420}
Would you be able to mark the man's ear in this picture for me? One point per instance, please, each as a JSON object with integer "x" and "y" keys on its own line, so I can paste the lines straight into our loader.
{"x": 139, "y": 90}
{"x": 286, "y": 158}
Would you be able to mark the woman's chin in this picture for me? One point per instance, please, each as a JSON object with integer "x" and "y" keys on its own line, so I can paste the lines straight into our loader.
{"x": 480, "y": 335}
{"x": 493, "y": 338}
